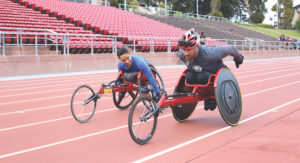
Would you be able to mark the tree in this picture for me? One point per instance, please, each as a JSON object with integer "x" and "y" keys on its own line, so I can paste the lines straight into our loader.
{"x": 257, "y": 17}
{"x": 256, "y": 7}
{"x": 288, "y": 13}
{"x": 285, "y": 12}
{"x": 149, "y": 2}
{"x": 204, "y": 7}
{"x": 215, "y": 6}
{"x": 116, "y": 2}
{"x": 297, "y": 25}
{"x": 161, "y": 5}
{"x": 183, "y": 5}
{"x": 229, "y": 8}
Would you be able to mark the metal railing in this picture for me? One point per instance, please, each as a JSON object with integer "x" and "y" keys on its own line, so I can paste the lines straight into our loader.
{"x": 93, "y": 2}
{"x": 162, "y": 11}
{"x": 65, "y": 44}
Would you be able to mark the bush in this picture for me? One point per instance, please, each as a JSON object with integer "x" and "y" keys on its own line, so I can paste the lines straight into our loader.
{"x": 257, "y": 17}
{"x": 297, "y": 25}
{"x": 265, "y": 25}
{"x": 217, "y": 13}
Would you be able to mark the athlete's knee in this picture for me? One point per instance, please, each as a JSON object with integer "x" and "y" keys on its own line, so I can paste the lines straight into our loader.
{"x": 190, "y": 77}
{"x": 130, "y": 77}
{"x": 202, "y": 78}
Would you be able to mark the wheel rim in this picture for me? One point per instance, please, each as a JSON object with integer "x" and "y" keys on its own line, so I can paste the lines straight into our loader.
{"x": 81, "y": 110}
{"x": 141, "y": 128}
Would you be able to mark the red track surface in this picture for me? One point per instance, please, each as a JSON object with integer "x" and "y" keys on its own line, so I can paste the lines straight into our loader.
{"x": 37, "y": 125}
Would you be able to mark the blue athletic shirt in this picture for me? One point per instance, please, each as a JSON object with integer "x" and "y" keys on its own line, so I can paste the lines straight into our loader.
{"x": 140, "y": 63}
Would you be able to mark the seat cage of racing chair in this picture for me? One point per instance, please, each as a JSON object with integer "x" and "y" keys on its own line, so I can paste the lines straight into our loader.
{"x": 205, "y": 91}
{"x": 140, "y": 76}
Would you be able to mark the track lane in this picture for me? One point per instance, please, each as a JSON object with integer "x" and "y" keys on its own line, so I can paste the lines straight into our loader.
{"x": 69, "y": 146}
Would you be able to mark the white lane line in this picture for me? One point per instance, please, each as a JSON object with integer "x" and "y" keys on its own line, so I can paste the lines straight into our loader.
{"x": 64, "y": 89}
{"x": 99, "y": 77}
{"x": 47, "y": 91}
{"x": 42, "y": 77}
{"x": 151, "y": 156}
{"x": 58, "y": 119}
{"x": 51, "y": 97}
{"x": 269, "y": 89}
{"x": 68, "y": 84}
{"x": 212, "y": 133}
{"x": 53, "y": 106}
{"x": 75, "y": 80}
{"x": 256, "y": 81}
{"x": 46, "y": 98}
{"x": 298, "y": 67}
{"x": 52, "y": 120}
{"x": 71, "y": 74}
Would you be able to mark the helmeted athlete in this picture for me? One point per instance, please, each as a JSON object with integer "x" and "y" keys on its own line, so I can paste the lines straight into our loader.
{"x": 202, "y": 61}
{"x": 131, "y": 64}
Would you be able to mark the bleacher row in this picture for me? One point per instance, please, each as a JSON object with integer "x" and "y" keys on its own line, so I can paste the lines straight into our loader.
{"x": 76, "y": 18}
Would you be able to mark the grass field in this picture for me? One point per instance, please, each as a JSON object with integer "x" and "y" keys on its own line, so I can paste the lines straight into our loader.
{"x": 275, "y": 32}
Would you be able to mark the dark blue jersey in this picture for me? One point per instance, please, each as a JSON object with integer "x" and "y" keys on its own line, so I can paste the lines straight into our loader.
{"x": 140, "y": 63}
{"x": 209, "y": 59}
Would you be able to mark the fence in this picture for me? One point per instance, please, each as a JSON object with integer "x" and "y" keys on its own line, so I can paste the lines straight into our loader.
{"x": 162, "y": 11}
{"x": 63, "y": 43}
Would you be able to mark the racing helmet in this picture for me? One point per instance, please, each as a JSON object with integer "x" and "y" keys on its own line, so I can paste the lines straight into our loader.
{"x": 189, "y": 39}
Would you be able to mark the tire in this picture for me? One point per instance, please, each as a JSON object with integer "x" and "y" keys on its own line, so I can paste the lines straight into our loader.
{"x": 142, "y": 131}
{"x": 125, "y": 101}
{"x": 184, "y": 111}
{"x": 159, "y": 81}
{"x": 80, "y": 111}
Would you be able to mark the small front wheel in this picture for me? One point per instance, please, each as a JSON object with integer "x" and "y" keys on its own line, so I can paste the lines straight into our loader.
{"x": 142, "y": 120}
{"x": 83, "y": 103}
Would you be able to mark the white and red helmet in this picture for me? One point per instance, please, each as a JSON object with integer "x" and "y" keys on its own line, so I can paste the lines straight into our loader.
{"x": 189, "y": 39}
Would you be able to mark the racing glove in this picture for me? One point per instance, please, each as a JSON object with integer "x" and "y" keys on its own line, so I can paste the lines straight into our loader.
{"x": 238, "y": 61}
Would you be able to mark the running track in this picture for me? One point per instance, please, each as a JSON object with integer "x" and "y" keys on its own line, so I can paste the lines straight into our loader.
{"x": 37, "y": 126}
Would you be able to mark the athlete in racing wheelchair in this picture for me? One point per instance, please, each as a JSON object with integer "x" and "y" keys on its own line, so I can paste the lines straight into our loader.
{"x": 203, "y": 61}
{"x": 131, "y": 65}
{"x": 206, "y": 78}
{"x": 136, "y": 76}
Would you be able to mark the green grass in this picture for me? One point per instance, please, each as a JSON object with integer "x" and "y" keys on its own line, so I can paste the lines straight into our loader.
{"x": 272, "y": 32}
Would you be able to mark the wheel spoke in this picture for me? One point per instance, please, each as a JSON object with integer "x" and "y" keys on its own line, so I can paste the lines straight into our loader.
{"x": 120, "y": 98}
{"x": 132, "y": 94}
{"x": 82, "y": 110}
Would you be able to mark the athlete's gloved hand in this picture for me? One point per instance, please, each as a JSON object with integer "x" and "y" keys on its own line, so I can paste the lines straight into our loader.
{"x": 156, "y": 98}
{"x": 238, "y": 61}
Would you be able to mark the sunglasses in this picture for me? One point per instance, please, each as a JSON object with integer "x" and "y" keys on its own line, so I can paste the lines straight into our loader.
{"x": 185, "y": 44}
{"x": 181, "y": 43}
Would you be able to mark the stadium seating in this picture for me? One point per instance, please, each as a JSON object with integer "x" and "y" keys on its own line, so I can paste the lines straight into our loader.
{"x": 25, "y": 15}
{"x": 111, "y": 21}
{"x": 212, "y": 29}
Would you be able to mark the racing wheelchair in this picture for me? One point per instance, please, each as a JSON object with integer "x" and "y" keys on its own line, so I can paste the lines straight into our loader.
{"x": 221, "y": 86}
{"x": 84, "y": 99}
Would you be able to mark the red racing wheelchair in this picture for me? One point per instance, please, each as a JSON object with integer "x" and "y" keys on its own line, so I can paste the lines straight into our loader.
{"x": 84, "y": 99}
{"x": 222, "y": 86}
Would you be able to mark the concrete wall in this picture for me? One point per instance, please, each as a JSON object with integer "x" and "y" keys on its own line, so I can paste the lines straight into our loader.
{"x": 43, "y": 64}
